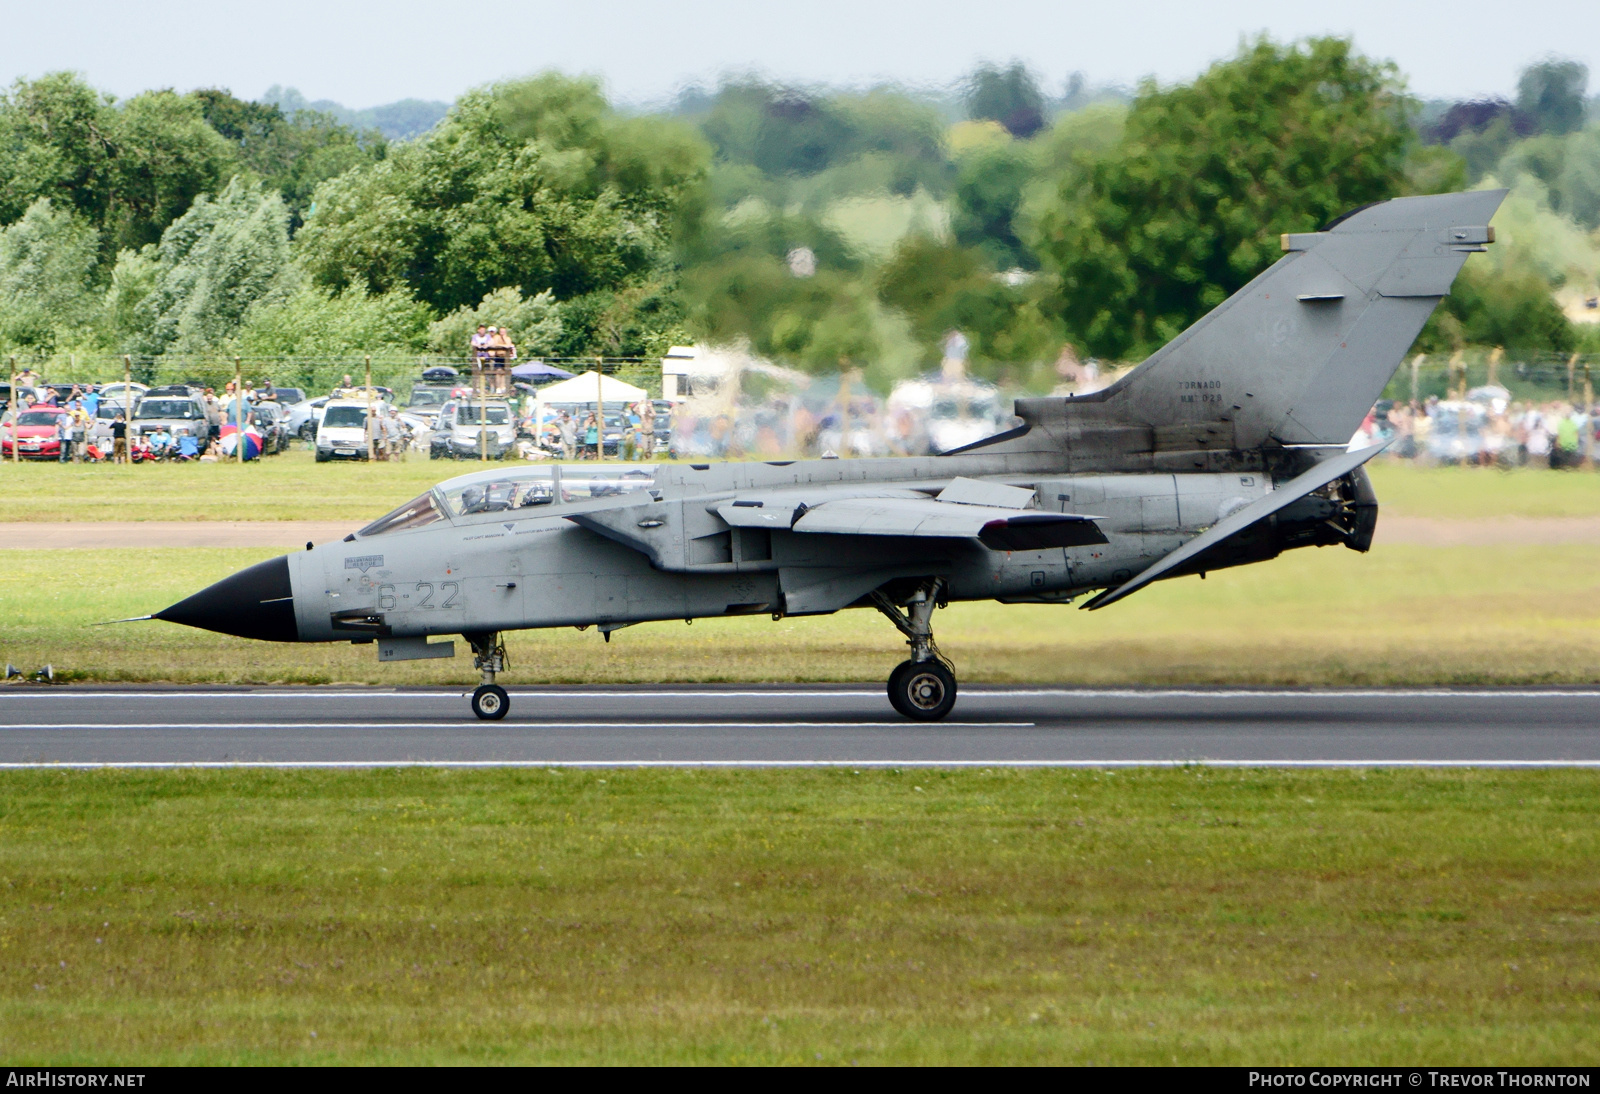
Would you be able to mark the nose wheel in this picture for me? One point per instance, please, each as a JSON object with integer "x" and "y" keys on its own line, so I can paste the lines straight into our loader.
{"x": 489, "y": 701}
{"x": 923, "y": 688}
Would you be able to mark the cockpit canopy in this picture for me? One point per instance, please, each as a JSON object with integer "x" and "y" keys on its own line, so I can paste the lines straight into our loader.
{"x": 514, "y": 490}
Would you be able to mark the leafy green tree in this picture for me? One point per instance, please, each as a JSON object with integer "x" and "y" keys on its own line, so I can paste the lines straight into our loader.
{"x": 815, "y": 322}
{"x": 780, "y": 131}
{"x": 128, "y": 169}
{"x": 310, "y": 322}
{"x": 1188, "y": 207}
{"x": 292, "y": 154}
{"x": 879, "y": 138}
{"x": 1080, "y": 135}
{"x": 215, "y": 262}
{"x": 1579, "y": 181}
{"x": 133, "y": 278}
{"x": 534, "y": 322}
{"x": 1433, "y": 169}
{"x": 58, "y": 138}
{"x": 535, "y": 185}
{"x": 47, "y": 259}
{"x": 1010, "y": 96}
{"x": 165, "y": 157}
{"x": 940, "y": 287}
{"x": 1510, "y": 307}
{"x": 989, "y": 190}
{"x": 641, "y": 320}
{"x": 1551, "y": 92}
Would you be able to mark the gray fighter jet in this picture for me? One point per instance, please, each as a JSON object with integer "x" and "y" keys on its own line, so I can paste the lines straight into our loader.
{"x": 1228, "y": 446}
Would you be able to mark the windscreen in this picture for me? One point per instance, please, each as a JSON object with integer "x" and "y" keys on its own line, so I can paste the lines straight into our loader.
{"x": 39, "y": 417}
{"x": 345, "y": 417}
{"x": 416, "y": 513}
{"x": 468, "y": 415}
{"x": 186, "y": 409}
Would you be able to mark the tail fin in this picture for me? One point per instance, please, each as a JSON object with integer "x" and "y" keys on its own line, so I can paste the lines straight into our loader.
{"x": 1300, "y": 354}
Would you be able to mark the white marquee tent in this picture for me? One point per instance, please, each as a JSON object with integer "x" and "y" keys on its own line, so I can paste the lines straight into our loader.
{"x": 583, "y": 387}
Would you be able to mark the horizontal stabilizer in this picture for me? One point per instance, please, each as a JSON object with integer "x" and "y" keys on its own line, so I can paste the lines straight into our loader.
{"x": 1291, "y": 491}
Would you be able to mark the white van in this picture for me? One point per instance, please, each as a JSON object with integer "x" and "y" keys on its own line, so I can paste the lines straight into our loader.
{"x": 342, "y": 433}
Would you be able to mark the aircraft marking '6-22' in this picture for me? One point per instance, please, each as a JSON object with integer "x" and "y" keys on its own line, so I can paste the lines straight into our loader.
{"x": 1226, "y": 447}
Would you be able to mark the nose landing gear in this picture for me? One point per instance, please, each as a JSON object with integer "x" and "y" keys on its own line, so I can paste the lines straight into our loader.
{"x": 923, "y": 688}
{"x": 489, "y": 701}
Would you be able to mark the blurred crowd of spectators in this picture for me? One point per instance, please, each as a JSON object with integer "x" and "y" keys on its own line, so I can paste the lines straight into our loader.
{"x": 1487, "y": 428}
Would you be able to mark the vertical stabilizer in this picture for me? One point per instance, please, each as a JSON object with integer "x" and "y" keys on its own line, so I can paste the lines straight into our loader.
{"x": 1300, "y": 354}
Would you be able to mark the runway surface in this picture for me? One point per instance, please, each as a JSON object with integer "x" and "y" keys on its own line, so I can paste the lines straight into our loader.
{"x": 796, "y": 725}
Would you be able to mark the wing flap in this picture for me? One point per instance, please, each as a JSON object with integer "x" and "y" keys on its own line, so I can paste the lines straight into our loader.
{"x": 1001, "y": 529}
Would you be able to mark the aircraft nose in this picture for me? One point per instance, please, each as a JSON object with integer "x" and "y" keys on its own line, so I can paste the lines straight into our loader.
{"x": 257, "y": 602}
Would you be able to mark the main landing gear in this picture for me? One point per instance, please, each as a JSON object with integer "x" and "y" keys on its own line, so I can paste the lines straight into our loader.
{"x": 923, "y": 688}
{"x": 490, "y": 701}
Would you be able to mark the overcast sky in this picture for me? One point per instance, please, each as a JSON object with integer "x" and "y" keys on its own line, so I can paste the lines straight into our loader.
{"x": 366, "y": 52}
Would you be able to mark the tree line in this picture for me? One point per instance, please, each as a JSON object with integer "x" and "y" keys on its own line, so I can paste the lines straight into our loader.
{"x": 829, "y": 228}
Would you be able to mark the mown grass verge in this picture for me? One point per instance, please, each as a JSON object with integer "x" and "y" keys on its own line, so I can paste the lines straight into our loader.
{"x": 1403, "y": 614}
{"x": 1159, "y": 916}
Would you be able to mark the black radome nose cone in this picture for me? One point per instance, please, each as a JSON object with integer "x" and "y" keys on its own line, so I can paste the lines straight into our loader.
{"x": 254, "y": 603}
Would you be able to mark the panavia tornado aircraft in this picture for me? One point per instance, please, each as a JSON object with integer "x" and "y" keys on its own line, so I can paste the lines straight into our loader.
{"x": 1228, "y": 446}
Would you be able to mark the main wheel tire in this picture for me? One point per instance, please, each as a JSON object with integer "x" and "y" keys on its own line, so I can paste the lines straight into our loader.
{"x": 896, "y": 699}
{"x": 490, "y": 702}
{"x": 924, "y": 691}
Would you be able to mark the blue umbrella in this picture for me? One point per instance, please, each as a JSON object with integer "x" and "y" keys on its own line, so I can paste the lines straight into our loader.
{"x": 538, "y": 370}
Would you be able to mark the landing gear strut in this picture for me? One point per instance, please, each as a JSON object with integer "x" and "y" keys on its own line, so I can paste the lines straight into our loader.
{"x": 490, "y": 701}
{"x": 923, "y": 688}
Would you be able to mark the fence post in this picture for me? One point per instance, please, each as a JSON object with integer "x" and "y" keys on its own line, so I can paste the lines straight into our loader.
{"x": 600, "y": 409}
{"x": 16, "y": 416}
{"x": 483, "y": 412}
{"x": 372, "y": 426}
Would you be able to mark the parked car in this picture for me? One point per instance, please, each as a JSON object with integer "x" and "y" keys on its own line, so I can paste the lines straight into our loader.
{"x": 342, "y": 433}
{"x": 179, "y": 416}
{"x": 35, "y": 434}
{"x": 272, "y": 420}
{"x": 113, "y": 395}
{"x": 305, "y": 416}
{"x": 459, "y": 434}
{"x": 288, "y": 396}
{"x": 428, "y": 397}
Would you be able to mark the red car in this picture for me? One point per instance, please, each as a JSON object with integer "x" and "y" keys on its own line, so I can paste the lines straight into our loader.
{"x": 38, "y": 434}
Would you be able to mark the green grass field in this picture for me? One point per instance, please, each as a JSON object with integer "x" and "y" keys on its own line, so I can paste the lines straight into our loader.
{"x": 1399, "y": 615}
{"x": 1171, "y": 916}
{"x": 293, "y": 486}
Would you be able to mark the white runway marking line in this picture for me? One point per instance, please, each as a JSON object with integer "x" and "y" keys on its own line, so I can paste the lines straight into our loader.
{"x": 969, "y": 692}
{"x": 1099, "y": 765}
{"x": 520, "y": 725}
